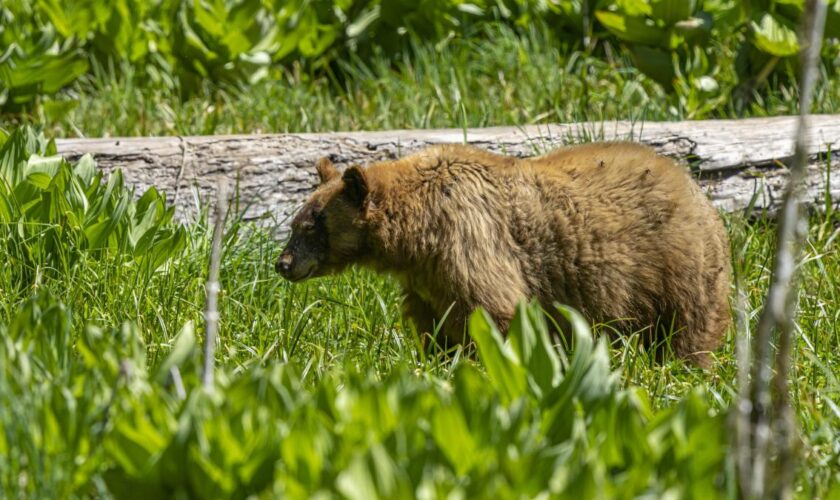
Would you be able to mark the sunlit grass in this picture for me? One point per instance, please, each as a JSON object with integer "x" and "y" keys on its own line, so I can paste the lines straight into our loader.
{"x": 353, "y": 320}
{"x": 502, "y": 78}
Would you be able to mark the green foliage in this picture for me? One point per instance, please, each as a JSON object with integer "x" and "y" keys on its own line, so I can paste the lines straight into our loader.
{"x": 679, "y": 43}
{"x": 97, "y": 417}
{"x": 499, "y": 79}
{"x": 87, "y": 411}
{"x": 53, "y": 213}
{"x": 181, "y": 44}
{"x": 321, "y": 390}
{"x": 185, "y": 46}
{"x": 55, "y": 397}
{"x": 35, "y": 59}
{"x": 659, "y": 31}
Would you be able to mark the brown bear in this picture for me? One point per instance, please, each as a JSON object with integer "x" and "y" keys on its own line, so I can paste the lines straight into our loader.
{"x": 621, "y": 234}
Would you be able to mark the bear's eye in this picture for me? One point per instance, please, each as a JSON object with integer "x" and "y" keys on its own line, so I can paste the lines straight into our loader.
{"x": 307, "y": 226}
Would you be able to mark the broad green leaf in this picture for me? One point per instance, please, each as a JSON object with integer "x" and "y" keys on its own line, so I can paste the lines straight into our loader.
{"x": 57, "y": 110}
{"x": 773, "y": 36}
{"x": 69, "y": 18}
{"x": 454, "y": 438}
{"x": 75, "y": 196}
{"x": 15, "y": 152}
{"x": 655, "y": 63}
{"x": 503, "y": 367}
{"x": 672, "y": 11}
{"x": 164, "y": 249}
{"x": 184, "y": 348}
{"x": 99, "y": 204}
{"x": 208, "y": 477}
{"x": 529, "y": 338}
{"x": 39, "y": 164}
{"x": 356, "y": 481}
{"x": 136, "y": 445}
{"x": 50, "y": 149}
{"x": 145, "y": 222}
{"x": 99, "y": 234}
{"x": 587, "y": 380}
{"x": 45, "y": 73}
{"x": 6, "y": 208}
{"x": 635, "y": 7}
{"x": 632, "y": 29}
{"x": 40, "y": 180}
{"x": 85, "y": 168}
{"x": 208, "y": 20}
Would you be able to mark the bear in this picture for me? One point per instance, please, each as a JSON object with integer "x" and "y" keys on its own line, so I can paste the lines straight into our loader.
{"x": 621, "y": 234}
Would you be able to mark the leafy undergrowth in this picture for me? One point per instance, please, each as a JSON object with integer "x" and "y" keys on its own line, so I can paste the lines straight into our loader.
{"x": 700, "y": 53}
{"x": 98, "y": 417}
{"x": 320, "y": 389}
{"x": 506, "y": 77}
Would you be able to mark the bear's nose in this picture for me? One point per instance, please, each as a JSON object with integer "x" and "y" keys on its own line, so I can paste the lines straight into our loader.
{"x": 284, "y": 264}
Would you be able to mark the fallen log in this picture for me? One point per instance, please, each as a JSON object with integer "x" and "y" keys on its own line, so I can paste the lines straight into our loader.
{"x": 736, "y": 161}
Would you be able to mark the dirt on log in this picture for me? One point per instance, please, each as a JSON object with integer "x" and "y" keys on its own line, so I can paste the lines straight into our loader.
{"x": 735, "y": 161}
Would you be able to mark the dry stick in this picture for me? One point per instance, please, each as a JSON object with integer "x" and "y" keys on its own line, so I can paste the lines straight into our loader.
{"x": 211, "y": 312}
{"x": 744, "y": 408}
{"x": 183, "y": 144}
{"x": 780, "y": 305}
{"x": 813, "y": 27}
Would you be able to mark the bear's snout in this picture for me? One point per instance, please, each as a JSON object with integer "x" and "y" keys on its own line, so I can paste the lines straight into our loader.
{"x": 295, "y": 267}
{"x": 284, "y": 264}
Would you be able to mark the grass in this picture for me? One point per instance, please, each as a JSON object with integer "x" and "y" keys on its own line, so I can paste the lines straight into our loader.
{"x": 502, "y": 78}
{"x": 352, "y": 320}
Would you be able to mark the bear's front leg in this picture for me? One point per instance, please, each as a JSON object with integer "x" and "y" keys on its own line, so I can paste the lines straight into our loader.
{"x": 446, "y": 326}
{"x": 456, "y": 326}
{"x": 421, "y": 314}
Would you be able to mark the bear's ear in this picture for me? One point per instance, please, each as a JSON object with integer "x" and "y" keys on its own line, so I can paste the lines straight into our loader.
{"x": 326, "y": 170}
{"x": 355, "y": 185}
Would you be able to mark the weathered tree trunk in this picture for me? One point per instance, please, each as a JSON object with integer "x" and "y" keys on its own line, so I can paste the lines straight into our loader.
{"x": 734, "y": 160}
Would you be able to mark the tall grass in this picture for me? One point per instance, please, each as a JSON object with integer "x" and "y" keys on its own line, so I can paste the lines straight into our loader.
{"x": 353, "y": 320}
{"x": 503, "y": 78}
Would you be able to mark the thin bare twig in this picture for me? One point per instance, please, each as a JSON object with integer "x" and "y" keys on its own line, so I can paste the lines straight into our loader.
{"x": 779, "y": 310}
{"x": 183, "y": 144}
{"x": 785, "y": 429}
{"x": 743, "y": 454}
{"x": 211, "y": 312}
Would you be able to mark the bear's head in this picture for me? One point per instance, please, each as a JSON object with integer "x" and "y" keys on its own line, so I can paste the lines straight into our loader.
{"x": 330, "y": 231}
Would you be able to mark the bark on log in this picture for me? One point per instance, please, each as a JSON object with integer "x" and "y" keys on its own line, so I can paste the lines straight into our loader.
{"x": 732, "y": 159}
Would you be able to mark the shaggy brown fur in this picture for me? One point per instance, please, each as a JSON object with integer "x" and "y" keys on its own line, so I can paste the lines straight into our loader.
{"x": 611, "y": 229}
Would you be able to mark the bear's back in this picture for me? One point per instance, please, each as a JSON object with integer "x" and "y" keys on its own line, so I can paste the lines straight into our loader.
{"x": 641, "y": 240}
